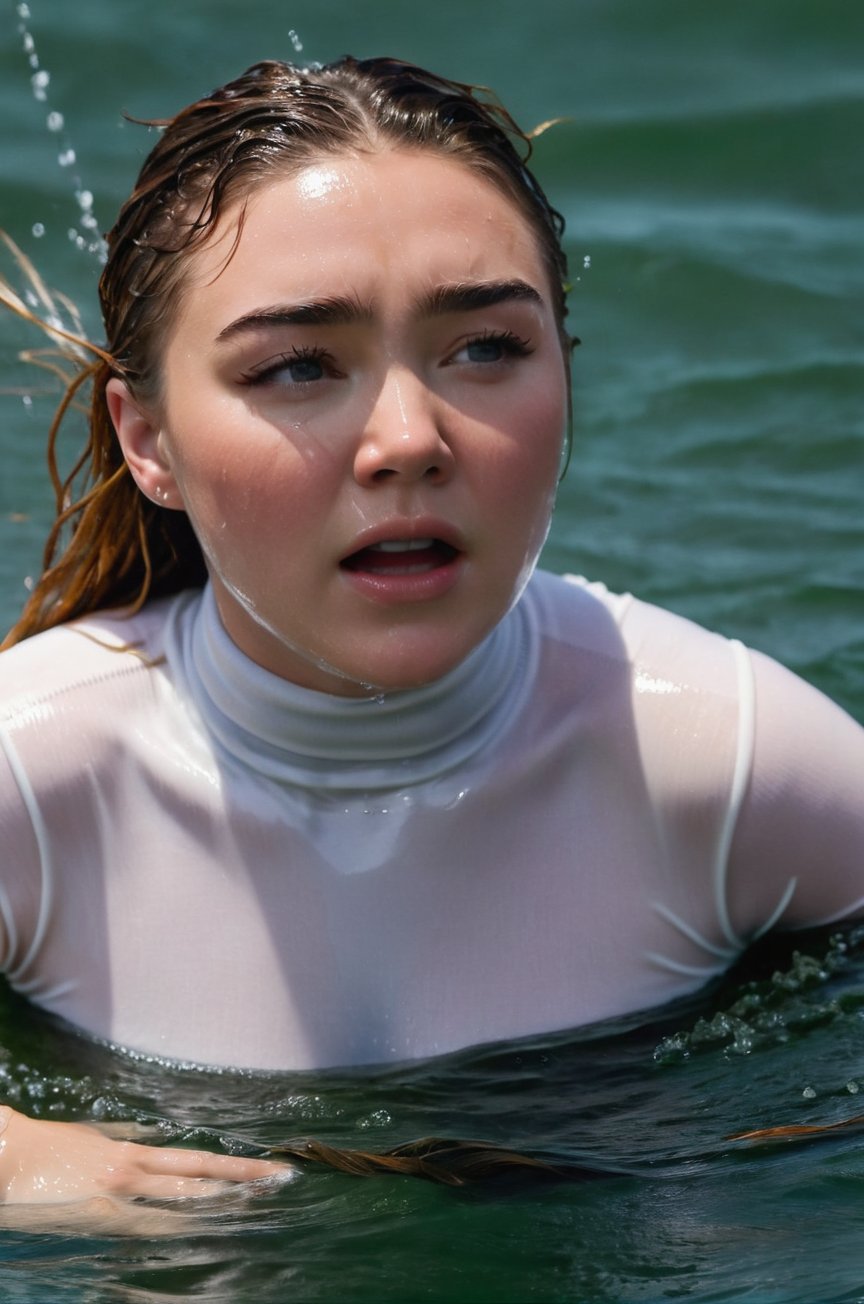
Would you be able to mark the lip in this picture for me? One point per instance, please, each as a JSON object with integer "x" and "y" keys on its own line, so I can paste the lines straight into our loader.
{"x": 400, "y": 586}
{"x": 413, "y": 527}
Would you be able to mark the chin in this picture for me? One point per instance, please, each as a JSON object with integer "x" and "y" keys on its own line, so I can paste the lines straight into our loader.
{"x": 412, "y": 671}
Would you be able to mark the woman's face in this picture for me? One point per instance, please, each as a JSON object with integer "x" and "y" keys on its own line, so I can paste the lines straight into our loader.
{"x": 362, "y": 412}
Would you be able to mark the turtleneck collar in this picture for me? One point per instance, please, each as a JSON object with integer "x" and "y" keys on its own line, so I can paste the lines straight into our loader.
{"x": 317, "y": 740}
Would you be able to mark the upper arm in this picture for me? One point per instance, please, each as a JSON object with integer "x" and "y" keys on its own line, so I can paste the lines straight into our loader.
{"x": 20, "y": 864}
{"x": 802, "y": 816}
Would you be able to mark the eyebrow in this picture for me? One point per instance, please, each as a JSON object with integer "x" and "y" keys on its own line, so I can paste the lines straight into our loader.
{"x": 464, "y": 296}
{"x": 335, "y": 311}
{"x": 467, "y": 296}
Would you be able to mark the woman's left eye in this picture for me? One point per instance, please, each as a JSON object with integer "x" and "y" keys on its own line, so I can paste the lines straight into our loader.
{"x": 491, "y": 346}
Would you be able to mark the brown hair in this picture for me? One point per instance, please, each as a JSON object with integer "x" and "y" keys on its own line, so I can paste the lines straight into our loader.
{"x": 109, "y": 545}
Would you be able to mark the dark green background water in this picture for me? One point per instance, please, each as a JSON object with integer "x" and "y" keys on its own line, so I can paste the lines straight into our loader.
{"x": 711, "y": 175}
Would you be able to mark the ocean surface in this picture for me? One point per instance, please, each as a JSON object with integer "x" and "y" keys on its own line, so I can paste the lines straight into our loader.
{"x": 710, "y": 168}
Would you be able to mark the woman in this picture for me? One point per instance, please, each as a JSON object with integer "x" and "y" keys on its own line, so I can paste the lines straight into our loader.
{"x": 376, "y": 790}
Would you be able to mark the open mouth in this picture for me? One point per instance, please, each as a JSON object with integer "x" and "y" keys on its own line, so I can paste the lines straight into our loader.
{"x": 401, "y": 557}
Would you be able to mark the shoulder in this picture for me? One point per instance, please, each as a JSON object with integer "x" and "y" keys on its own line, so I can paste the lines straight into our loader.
{"x": 663, "y": 653}
{"x": 657, "y": 691}
{"x": 86, "y": 658}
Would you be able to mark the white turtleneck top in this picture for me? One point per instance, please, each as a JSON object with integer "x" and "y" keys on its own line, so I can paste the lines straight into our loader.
{"x": 589, "y": 816}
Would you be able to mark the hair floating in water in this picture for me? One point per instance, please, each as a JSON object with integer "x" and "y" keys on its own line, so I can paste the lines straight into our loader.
{"x": 449, "y": 1163}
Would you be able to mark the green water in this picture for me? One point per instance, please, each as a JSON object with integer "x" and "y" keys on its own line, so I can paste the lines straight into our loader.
{"x": 710, "y": 170}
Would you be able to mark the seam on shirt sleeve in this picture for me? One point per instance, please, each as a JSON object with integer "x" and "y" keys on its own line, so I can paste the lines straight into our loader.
{"x": 741, "y": 775}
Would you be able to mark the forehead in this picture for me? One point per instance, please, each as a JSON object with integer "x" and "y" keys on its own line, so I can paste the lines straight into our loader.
{"x": 365, "y": 224}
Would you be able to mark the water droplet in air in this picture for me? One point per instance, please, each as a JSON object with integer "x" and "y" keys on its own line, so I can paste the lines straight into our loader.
{"x": 808, "y": 1093}
{"x": 586, "y": 261}
{"x": 27, "y": 400}
{"x": 295, "y": 41}
{"x": 38, "y": 230}
{"x": 54, "y": 121}
{"x": 66, "y": 158}
{"x": 39, "y": 81}
{"x": 853, "y": 1088}
{"x": 24, "y": 11}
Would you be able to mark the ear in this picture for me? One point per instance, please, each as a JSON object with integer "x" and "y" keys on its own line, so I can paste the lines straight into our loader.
{"x": 140, "y": 437}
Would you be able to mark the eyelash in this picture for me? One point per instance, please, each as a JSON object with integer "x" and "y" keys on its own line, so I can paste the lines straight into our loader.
{"x": 307, "y": 353}
{"x": 512, "y": 345}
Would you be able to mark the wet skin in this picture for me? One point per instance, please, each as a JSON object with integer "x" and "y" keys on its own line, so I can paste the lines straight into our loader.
{"x": 362, "y": 412}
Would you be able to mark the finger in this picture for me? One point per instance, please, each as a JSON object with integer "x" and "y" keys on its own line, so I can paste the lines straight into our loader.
{"x": 167, "y": 1186}
{"x": 201, "y": 1164}
{"x": 101, "y": 1215}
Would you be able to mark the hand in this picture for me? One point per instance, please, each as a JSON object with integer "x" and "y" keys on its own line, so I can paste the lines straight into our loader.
{"x": 43, "y": 1162}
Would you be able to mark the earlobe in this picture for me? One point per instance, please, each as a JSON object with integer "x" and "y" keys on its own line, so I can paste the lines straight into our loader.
{"x": 139, "y": 435}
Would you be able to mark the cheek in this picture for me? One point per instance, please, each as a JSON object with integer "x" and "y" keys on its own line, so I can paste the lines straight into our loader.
{"x": 532, "y": 457}
{"x": 239, "y": 475}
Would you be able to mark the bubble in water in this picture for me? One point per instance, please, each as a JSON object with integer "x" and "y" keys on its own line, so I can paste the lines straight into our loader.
{"x": 295, "y": 41}
{"x": 378, "y": 1118}
{"x": 54, "y": 121}
{"x": 39, "y": 81}
{"x": 38, "y": 230}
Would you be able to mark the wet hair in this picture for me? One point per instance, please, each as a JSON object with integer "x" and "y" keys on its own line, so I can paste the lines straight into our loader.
{"x": 110, "y": 546}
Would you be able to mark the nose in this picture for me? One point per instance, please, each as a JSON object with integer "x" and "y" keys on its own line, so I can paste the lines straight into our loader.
{"x": 403, "y": 439}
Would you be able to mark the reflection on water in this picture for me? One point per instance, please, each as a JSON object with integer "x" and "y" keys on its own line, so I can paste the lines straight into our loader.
{"x": 778, "y": 1042}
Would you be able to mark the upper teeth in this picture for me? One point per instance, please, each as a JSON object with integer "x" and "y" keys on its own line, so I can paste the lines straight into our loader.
{"x": 403, "y": 545}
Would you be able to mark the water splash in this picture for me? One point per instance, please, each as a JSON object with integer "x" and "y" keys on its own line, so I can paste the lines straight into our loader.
{"x": 770, "y": 1011}
{"x": 85, "y": 234}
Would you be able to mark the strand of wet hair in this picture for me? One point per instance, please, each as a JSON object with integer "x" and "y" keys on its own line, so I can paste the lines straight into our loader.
{"x": 446, "y": 1162}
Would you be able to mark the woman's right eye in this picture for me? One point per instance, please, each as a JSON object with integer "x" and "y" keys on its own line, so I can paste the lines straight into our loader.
{"x": 299, "y": 367}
